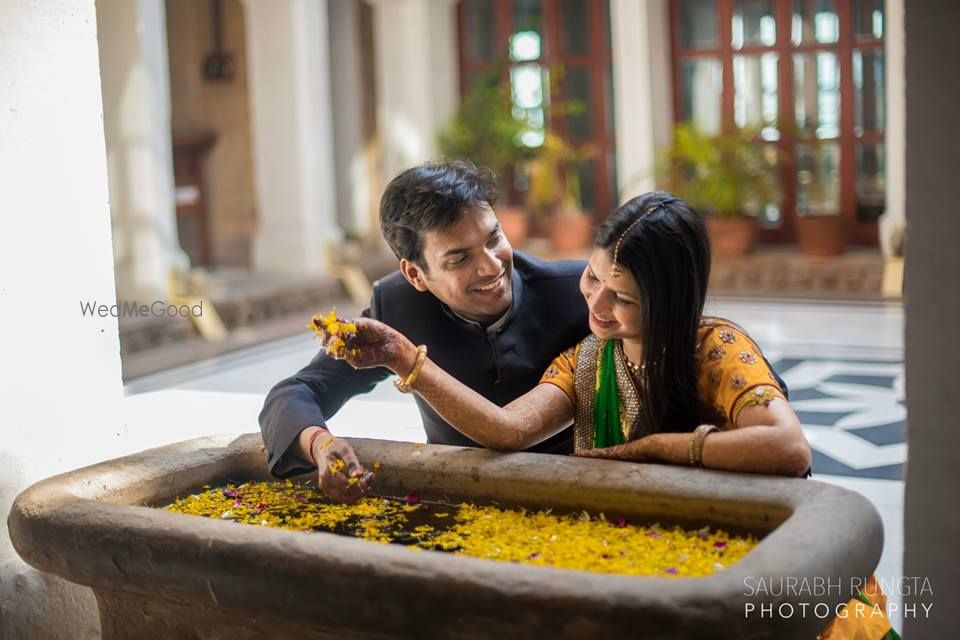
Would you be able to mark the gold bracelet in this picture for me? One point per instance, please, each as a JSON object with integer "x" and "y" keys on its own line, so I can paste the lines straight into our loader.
{"x": 404, "y": 385}
{"x": 695, "y": 448}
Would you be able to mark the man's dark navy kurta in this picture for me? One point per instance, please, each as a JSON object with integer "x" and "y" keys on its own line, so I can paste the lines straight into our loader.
{"x": 548, "y": 315}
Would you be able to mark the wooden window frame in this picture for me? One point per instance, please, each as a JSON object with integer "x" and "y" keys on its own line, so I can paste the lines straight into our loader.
{"x": 858, "y": 232}
{"x": 597, "y": 60}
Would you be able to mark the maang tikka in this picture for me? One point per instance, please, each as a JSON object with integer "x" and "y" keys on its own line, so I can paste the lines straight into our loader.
{"x": 615, "y": 271}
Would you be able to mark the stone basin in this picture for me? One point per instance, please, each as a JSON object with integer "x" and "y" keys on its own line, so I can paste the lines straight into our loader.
{"x": 158, "y": 574}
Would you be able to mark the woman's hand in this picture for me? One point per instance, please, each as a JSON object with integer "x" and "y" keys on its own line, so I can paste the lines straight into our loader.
{"x": 636, "y": 451}
{"x": 377, "y": 345}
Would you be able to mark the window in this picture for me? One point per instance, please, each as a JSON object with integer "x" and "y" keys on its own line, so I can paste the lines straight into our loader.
{"x": 810, "y": 75}
{"x": 553, "y": 50}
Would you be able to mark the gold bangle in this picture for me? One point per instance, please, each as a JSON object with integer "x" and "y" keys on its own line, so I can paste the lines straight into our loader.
{"x": 695, "y": 448}
{"x": 404, "y": 385}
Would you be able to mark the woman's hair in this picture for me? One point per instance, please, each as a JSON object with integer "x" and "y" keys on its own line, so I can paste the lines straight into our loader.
{"x": 663, "y": 243}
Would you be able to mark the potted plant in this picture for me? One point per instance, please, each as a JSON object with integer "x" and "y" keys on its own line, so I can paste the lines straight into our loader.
{"x": 820, "y": 228}
{"x": 726, "y": 178}
{"x": 554, "y": 192}
{"x": 485, "y": 132}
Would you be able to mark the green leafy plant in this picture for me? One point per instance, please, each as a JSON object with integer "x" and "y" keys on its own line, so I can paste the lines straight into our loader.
{"x": 817, "y": 192}
{"x": 724, "y": 175}
{"x": 485, "y": 131}
{"x": 554, "y": 177}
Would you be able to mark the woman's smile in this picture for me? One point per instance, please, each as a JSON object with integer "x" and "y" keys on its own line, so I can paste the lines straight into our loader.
{"x": 601, "y": 323}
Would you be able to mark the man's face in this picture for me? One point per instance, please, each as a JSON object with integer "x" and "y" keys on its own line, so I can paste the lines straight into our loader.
{"x": 469, "y": 266}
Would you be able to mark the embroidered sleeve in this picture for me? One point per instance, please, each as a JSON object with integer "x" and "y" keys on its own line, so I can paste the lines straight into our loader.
{"x": 561, "y": 372}
{"x": 733, "y": 373}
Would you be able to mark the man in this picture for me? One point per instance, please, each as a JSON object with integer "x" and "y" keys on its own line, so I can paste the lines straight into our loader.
{"x": 493, "y": 318}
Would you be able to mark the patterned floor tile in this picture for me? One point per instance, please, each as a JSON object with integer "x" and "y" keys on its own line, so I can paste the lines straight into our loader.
{"x": 852, "y": 411}
{"x": 825, "y": 465}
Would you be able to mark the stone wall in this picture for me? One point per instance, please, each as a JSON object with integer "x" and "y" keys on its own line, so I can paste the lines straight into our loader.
{"x": 60, "y": 381}
{"x": 932, "y": 297}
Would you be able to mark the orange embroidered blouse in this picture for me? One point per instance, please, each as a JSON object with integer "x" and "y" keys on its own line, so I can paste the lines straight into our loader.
{"x": 732, "y": 375}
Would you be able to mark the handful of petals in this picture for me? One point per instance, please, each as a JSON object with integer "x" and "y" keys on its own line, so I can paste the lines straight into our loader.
{"x": 334, "y": 331}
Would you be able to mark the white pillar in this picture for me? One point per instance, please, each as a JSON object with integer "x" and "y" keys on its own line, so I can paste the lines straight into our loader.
{"x": 642, "y": 88}
{"x": 417, "y": 77}
{"x": 135, "y": 80}
{"x": 894, "y": 219}
{"x": 353, "y": 153}
{"x": 60, "y": 382}
{"x": 288, "y": 57}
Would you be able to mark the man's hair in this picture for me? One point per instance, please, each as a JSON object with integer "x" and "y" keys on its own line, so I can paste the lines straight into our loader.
{"x": 429, "y": 197}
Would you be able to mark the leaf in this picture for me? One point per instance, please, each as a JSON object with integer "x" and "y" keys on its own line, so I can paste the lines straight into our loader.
{"x": 724, "y": 175}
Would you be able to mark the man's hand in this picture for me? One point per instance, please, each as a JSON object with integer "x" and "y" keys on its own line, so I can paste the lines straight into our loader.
{"x": 339, "y": 474}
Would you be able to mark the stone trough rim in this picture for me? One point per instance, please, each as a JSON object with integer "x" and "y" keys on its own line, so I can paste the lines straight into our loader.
{"x": 81, "y": 499}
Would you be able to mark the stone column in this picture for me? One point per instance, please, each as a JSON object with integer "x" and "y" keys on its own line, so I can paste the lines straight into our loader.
{"x": 642, "y": 90}
{"x": 417, "y": 78}
{"x": 351, "y": 72}
{"x": 932, "y": 304}
{"x": 288, "y": 57}
{"x": 60, "y": 382}
{"x": 895, "y": 217}
{"x": 136, "y": 106}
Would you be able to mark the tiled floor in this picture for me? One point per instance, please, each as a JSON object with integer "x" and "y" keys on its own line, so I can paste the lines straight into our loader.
{"x": 842, "y": 362}
{"x": 844, "y": 367}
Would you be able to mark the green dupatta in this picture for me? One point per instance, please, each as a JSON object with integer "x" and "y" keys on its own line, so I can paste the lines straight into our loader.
{"x": 607, "y": 431}
{"x": 604, "y": 403}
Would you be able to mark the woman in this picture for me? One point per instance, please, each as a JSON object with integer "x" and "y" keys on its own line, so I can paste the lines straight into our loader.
{"x": 655, "y": 382}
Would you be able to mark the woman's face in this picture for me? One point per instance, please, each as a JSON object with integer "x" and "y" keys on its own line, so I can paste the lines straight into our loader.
{"x": 613, "y": 301}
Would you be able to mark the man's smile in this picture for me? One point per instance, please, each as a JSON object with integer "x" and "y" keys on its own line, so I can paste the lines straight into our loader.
{"x": 492, "y": 286}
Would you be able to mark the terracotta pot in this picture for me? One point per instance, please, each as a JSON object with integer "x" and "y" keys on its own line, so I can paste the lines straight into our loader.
{"x": 570, "y": 232}
{"x": 732, "y": 237}
{"x": 821, "y": 236}
{"x": 515, "y": 224}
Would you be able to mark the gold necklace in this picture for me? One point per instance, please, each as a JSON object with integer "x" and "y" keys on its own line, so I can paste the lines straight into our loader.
{"x": 636, "y": 370}
{"x": 634, "y": 376}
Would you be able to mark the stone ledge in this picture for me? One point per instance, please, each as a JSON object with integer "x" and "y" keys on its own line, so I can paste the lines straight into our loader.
{"x": 856, "y": 275}
{"x": 783, "y": 272}
{"x": 246, "y": 300}
{"x": 165, "y": 575}
{"x": 244, "y": 307}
